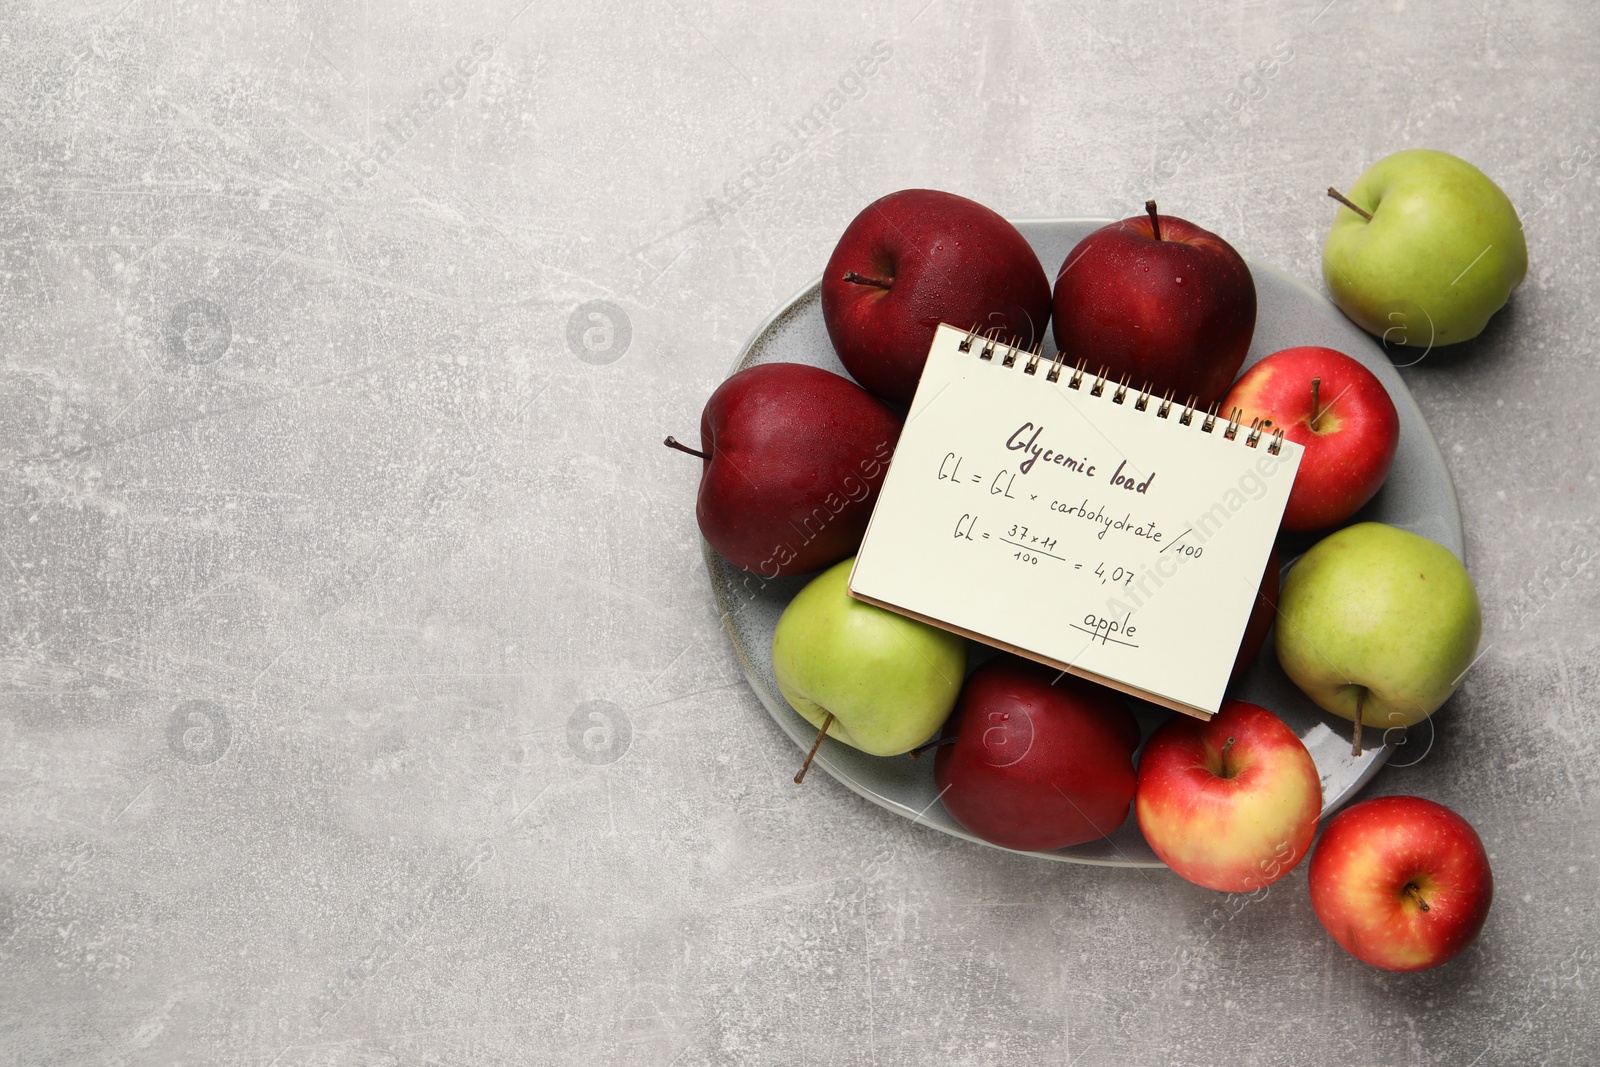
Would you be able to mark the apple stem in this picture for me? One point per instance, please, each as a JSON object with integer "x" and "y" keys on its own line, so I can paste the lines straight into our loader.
{"x": 806, "y": 766}
{"x": 1316, "y": 402}
{"x": 1155, "y": 220}
{"x": 1355, "y": 743}
{"x": 1351, "y": 204}
{"x": 862, "y": 279}
{"x": 673, "y": 442}
{"x": 1416, "y": 895}
{"x": 1222, "y": 759}
{"x": 917, "y": 752}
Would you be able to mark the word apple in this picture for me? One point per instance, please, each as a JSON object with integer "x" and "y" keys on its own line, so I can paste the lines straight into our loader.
{"x": 1401, "y": 883}
{"x": 914, "y": 259}
{"x": 1157, "y": 300}
{"x": 1378, "y": 625}
{"x": 1425, "y": 251}
{"x": 1229, "y": 804}
{"x": 794, "y": 457}
{"x": 1339, "y": 412}
{"x": 1040, "y": 759}
{"x": 875, "y": 680}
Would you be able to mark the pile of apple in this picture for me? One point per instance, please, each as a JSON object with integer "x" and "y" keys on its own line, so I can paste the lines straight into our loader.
{"x": 1375, "y": 624}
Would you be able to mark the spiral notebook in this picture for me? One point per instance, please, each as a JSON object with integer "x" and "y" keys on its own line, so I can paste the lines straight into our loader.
{"x": 1082, "y": 522}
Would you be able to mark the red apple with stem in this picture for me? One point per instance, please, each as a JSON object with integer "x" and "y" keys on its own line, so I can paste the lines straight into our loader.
{"x": 1039, "y": 760}
{"x": 1157, "y": 300}
{"x": 793, "y": 458}
{"x": 914, "y": 259}
{"x": 1401, "y": 883}
{"x": 1339, "y": 412}
{"x": 1229, "y": 804}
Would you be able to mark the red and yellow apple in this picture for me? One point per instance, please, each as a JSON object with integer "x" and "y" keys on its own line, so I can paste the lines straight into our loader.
{"x": 1229, "y": 804}
{"x": 1401, "y": 883}
{"x": 1335, "y": 409}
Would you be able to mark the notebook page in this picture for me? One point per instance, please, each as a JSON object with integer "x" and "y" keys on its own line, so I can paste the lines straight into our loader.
{"x": 1074, "y": 529}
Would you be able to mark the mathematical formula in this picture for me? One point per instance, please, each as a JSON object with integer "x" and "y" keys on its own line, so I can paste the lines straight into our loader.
{"x": 1027, "y": 547}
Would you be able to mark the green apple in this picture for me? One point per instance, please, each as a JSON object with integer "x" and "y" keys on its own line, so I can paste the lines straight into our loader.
{"x": 1440, "y": 253}
{"x": 889, "y": 681}
{"x": 1381, "y": 619}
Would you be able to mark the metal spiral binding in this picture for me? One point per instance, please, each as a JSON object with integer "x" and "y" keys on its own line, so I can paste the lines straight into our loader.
{"x": 1033, "y": 359}
{"x": 1235, "y": 418}
{"x": 1057, "y": 361}
{"x": 991, "y": 339}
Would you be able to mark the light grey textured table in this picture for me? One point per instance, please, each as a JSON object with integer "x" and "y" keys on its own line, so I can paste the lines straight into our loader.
{"x": 328, "y": 507}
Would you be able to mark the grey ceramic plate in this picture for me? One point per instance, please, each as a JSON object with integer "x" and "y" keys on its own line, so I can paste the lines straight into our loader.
{"x": 1417, "y": 496}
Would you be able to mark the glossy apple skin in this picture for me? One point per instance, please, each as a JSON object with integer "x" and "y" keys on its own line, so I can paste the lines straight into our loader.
{"x": 1036, "y": 766}
{"x": 1177, "y": 313}
{"x": 889, "y": 681}
{"x": 1261, "y": 616}
{"x": 1381, "y": 615}
{"x": 1236, "y": 822}
{"x": 1370, "y": 852}
{"x": 1349, "y": 452}
{"x": 948, "y": 259}
{"x": 798, "y": 455}
{"x": 1442, "y": 253}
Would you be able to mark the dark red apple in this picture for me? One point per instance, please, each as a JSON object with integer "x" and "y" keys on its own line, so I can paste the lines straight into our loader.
{"x": 1261, "y": 615}
{"x": 793, "y": 460}
{"x": 1040, "y": 759}
{"x": 1160, "y": 301}
{"x": 914, "y": 259}
{"x": 1401, "y": 883}
{"x": 1339, "y": 412}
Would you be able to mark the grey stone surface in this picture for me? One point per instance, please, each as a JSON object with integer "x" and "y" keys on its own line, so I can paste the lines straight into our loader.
{"x": 339, "y": 341}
